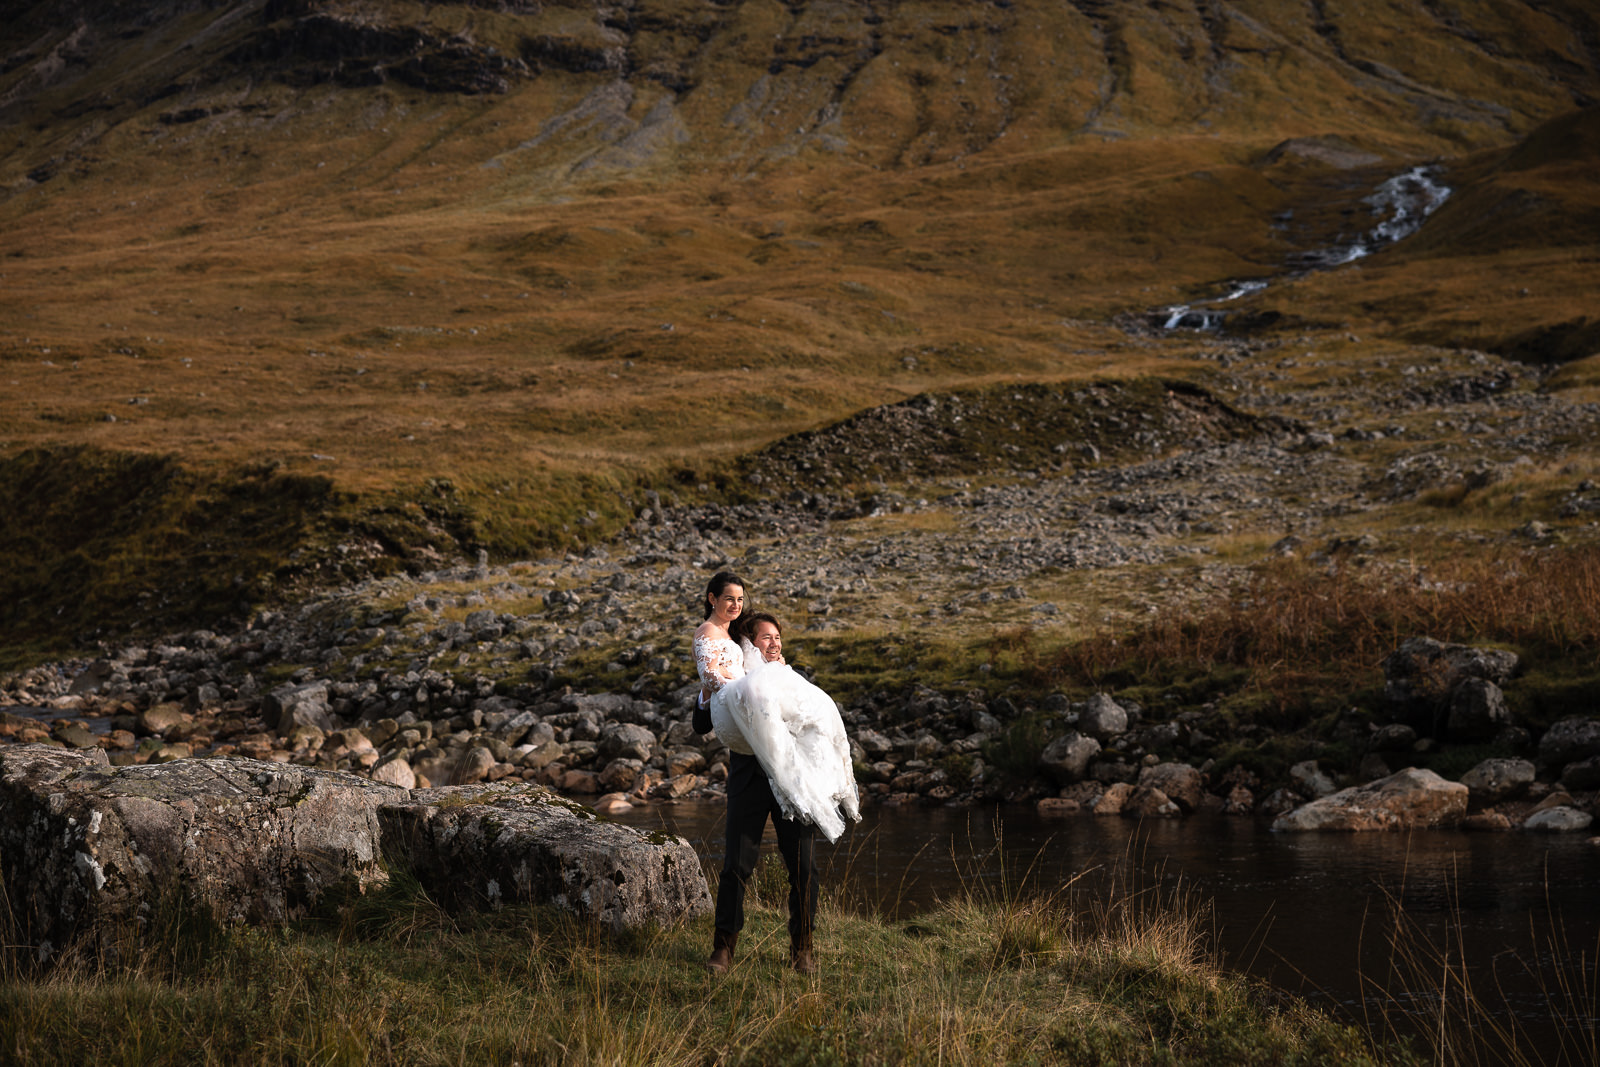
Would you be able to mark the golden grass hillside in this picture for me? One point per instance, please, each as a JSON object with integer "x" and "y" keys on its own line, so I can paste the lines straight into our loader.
{"x": 503, "y": 267}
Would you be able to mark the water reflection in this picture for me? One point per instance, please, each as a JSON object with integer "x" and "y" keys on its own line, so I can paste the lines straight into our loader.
{"x": 1311, "y": 913}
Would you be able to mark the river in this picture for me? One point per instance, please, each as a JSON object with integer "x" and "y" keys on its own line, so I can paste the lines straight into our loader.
{"x": 1311, "y": 913}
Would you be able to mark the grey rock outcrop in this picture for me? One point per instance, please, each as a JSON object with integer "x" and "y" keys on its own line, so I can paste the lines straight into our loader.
{"x": 1067, "y": 757}
{"x": 516, "y": 844}
{"x": 1569, "y": 741}
{"x": 1478, "y": 711}
{"x": 305, "y": 704}
{"x": 1412, "y": 799}
{"x": 1495, "y": 780}
{"x": 1182, "y": 784}
{"x": 1103, "y": 718}
{"x": 1558, "y": 820}
{"x": 1310, "y": 780}
{"x": 91, "y": 851}
{"x": 1422, "y": 677}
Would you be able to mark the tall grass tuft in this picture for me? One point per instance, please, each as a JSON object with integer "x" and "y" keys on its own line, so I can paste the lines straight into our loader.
{"x": 1430, "y": 995}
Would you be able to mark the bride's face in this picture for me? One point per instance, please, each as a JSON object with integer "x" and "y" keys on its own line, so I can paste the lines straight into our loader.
{"x": 726, "y": 606}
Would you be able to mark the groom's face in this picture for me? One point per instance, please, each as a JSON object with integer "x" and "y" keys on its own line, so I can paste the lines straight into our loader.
{"x": 768, "y": 641}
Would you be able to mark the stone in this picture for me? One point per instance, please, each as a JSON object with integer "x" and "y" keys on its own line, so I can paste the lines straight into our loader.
{"x": 523, "y": 844}
{"x": 1558, "y": 820}
{"x": 90, "y": 849}
{"x": 1411, "y": 799}
{"x": 1569, "y": 741}
{"x": 626, "y": 741}
{"x": 1495, "y": 780}
{"x": 74, "y": 735}
{"x": 1280, "y": 802}
{"x": 1240, "y": 801}
{"x": 1182, "y": 784}
{"x": 1309, "y": 780}
{"x": 1145, "y": 802}
{"x": 1111, "y": 801}
{"x": 395, "y": 772}
{"x": 1422, "y": 675}
{"x": 1057, "y": 807}
{"x": 613, "y": 804}
{"x": 473, "y": 766}
{"x": 1393, "y": 737}
{"x": 1103, "y": 718}
{"x": 1372, "y": 767}
{"x": 1486, "y": 822}
{"x": 1583, "y": 775}
{"x": 93, "y": 850}
{"x": 581, "y": 782}
{"x": 158, "y": 719}
{"x": 1066, "y": 759}
{"x": 620, "y": 775}
{"x": 291, "y": 705}
{"x": 1478, "y": 711}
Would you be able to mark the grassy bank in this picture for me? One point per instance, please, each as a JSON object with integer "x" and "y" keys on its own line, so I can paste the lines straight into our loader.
{"x": 394, "y": 980}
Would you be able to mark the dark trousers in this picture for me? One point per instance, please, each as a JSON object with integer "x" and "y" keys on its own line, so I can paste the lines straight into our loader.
{"x": 750, "y": 802}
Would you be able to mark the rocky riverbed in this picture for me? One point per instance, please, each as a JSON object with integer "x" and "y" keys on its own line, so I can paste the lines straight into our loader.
{"x": 1061, "y": 509}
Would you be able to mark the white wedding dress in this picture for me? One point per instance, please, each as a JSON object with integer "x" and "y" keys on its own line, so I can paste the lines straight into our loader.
{"x": 791, "y": 727}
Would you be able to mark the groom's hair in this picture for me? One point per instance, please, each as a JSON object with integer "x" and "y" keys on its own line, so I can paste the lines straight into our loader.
{"x": 746, "y": 623}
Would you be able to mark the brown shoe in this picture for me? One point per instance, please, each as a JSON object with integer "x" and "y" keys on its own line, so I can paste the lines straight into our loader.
{"x": 804, "y": 962}
{"x": 722, "y": 946}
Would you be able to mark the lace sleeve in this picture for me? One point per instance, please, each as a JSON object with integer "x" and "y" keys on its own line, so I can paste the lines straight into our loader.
{"x": 715, "y": 662}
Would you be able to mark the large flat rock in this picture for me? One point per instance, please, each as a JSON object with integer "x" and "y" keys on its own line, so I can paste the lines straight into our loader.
{"x": 1412, "y": 799}
{"x": 91, "y": 851}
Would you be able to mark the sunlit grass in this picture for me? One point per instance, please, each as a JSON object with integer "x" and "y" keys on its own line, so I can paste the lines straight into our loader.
{"x": 394, "y": 980}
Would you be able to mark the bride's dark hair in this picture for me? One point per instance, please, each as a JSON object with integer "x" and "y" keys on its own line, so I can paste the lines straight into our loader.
{"x": 719, "y": 582}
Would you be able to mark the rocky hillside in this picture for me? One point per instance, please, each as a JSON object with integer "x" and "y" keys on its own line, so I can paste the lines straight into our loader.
{"x": 313, "y": 291}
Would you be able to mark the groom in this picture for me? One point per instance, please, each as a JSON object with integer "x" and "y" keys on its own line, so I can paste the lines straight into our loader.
{"x": 750, "y": 802}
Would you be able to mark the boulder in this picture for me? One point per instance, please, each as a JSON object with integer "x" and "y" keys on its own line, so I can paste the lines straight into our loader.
{"x": 395, "y": 772}
{"x": 1393, "y": 737}
{"x": 158, "y": 719}
{"x": 620, "y": 775}
{"x": 1486, "y": 822}
{"x": 1495, "y": 780}
{"x": 1179, "y": 782}
{"x": 1422, "y": 675}
{"x": 92, "y": 851}
{"x": 1478, "y": 711}
{"x": 1240, "y": 801}
{"x": 1583, "y": 775}
{"x": 624, "y": 740}
{"x": 292, "y": 705}
{"x": 1058, "y": 807}
{"x": 1066, "y": 759}
{"x": 1558, "y": 820}
{"x": 1111, "y": 801}
{"x": 523, "y": 844}
{"x": 1309, "y": 780}
{"x": 1145, "y": 802}
{"x": 1569, "y": 741}
{"x": 1412, "y": 799}
{"x": 89, "y": 849}
{"x": 1281, "y": 801}
{"x": 1103, "y": 718}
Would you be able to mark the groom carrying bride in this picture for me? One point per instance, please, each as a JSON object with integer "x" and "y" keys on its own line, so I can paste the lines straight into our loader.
{"x": 788, "y": 759}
